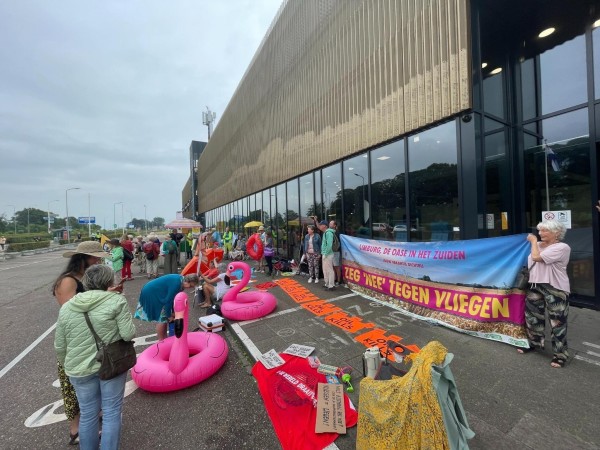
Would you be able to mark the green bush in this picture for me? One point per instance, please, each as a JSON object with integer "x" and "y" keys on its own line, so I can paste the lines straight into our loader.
{"x": 21, "y": 247}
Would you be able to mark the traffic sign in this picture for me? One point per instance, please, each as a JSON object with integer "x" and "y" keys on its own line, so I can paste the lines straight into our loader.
{"x": 83, "y": 220}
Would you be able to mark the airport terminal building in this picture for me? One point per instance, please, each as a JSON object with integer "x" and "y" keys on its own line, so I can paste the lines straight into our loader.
{"x": 417, "y": 120}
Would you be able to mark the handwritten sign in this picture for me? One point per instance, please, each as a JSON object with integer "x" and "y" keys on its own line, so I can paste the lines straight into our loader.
{"x": 271, "y": 359}
{"x": 331, "y": 416}
{"x": 299, "y": 350}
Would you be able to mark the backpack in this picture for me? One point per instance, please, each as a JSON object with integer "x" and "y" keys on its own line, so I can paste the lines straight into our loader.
{"x": 149, "y": 250}
{"x": 127, "y": 255}
{"x": 335, "y": 246}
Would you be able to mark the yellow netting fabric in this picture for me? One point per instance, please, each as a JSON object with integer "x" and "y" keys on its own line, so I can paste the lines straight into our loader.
{"x": 403, "y": 413}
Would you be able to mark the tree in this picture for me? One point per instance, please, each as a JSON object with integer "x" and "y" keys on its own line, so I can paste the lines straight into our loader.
{"x": 158, "y": 222}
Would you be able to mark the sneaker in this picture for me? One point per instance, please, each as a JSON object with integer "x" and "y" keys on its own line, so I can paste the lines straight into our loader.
{"x": 310, "y": 280}
{"x": 336, "y": 284}
{"x": 316, "y": 280}
{"x": 332, "y": 288}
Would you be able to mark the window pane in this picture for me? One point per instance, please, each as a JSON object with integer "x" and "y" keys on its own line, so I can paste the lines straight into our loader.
{"x": 596, "y": 38}
{"x": 332, "y": 193}
{"x": 569, "y": 189}
{"x": 280, "y": 222}
{"x": 433, "y": 183}
{"x": 528, "y": 89}
{"x": 498, "y": 198}
{"x": 388, "y": 197}
{"x": 293, "y": 220}
{"x": 563, "y": 76}
{"x": 493, "y": 93}
{"x": 356, "y": 195}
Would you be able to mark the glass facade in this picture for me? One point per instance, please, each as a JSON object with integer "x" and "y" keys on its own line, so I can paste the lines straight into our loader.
{"x": 535, "y": 139}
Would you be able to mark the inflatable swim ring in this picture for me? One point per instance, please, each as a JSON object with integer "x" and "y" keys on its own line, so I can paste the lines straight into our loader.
{"x": 182, "y": 360}
{"x": 247, "y": 305}
{"x": 254, "y": 247}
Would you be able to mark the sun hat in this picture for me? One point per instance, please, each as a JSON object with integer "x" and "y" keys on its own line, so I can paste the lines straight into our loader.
{"x": 261, "y": 228}
{"x": 91, "y": 248}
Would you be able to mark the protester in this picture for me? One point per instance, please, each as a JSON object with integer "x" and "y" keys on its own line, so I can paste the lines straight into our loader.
{"x": 216, "y": 237}
{"x": 169, "y": 251}
{"x": 2, "y": 242}
{"x": 327, "y": 255}
{"x": 269, "y": 250}
{"x": 227, "y": 242}
{"x": 76, "y": 349}
{"x": 262, "y": 262}
{"x": 126, "y": 270}
{"x": 548, "y": 290}
{"x": 140, "y": 256}
{"x": 117, "y": 258}
{"x": 156, "y": 300}
{"x": 152, "y": 251}
{"x": 66, "y": 286}
{"x": 222, "y": 285}
{"x": 312, "y": 250}
{"x": 337, "y": 256}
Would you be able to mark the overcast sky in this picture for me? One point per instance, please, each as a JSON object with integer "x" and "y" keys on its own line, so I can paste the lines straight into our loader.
{"x": 107, "y": 96}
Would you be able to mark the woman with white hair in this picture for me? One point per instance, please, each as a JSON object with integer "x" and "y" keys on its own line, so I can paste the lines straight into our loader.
{"x": 548, "y": 290}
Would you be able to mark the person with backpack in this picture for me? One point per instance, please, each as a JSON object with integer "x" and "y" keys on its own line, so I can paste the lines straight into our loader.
{"x": 152, "y": 250}
{"x": 169, "y": 251}
{"x": 128, "y": 249}
{"x": 327, "y": 255}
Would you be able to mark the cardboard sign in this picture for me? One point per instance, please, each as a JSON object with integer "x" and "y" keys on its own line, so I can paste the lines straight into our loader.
{"x": 271, "y": 359}
{"x": 331, "y": 416}
{"x": 299, "y": 350}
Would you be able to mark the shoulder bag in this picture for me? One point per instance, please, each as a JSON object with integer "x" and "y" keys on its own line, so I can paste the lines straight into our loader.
{"x": 522, "y": 281}
{"x": 115, "y": 358}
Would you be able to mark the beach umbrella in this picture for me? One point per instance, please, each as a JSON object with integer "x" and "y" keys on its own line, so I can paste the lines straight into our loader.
{"x": 183, "y": 223}
{"x": 254, "y": 223}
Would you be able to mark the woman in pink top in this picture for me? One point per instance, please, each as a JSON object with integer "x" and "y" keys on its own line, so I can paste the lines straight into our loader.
{"x": 548, "y": 290}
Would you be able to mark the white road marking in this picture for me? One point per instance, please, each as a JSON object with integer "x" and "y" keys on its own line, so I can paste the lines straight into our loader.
{"x": 287, "y": 311}
{"x": 592, "y": 345}
{"x": 27, "y": 264}
{"x": 21, "y": 355}
{"x": 588, "y": 360}
{"x": 593, "y": 353}
{"x": 253, "y": 349}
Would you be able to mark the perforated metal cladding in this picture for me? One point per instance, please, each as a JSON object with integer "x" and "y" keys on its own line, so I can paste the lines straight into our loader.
{"x": 332, "y": 78}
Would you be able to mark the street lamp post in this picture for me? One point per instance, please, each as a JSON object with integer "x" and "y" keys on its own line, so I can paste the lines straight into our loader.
{"x": 115, "y": 215}
{"x": 67, "y": 209}
{"x": 51, "y": 201}
{"x": 14, "y": 217}
{"x": 122, "y": 219}
{"x": 363, "y": 197}
{"x": 145, "y": 220}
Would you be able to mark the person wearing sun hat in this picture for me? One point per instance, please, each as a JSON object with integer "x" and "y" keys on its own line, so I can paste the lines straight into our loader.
{"x": 65, "y": 287}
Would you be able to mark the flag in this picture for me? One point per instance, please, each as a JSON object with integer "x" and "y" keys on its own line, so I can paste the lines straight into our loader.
{"x": 551, "y": 156}
{"x": 104, "y": 240}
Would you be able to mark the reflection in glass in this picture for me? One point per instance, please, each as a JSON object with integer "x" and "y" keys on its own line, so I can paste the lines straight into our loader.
{"x": 356, "y": 195}
{"x": 493, "y": 94}
{"x": 388, "y": 199}
{"x": 332, "y": 193}
{"x": 433, "y": 183}
{"x": 293, "y": 220}
{"x": 568, "y": 183}
{"x": 498, "y": 193}
{"x": 596, "y": 40}
{"x": 280, "y": 222}
{"x": 307, "y": 194}
{"x": 528, "y": 88}
{"x": 563, "y": 76}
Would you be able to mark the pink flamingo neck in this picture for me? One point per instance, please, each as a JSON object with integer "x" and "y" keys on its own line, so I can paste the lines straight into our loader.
{"x": 180, "y": 353}
{"x": 234, "y": 291}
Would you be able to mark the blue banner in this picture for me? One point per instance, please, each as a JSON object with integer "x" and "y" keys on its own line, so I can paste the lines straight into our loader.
{"x": 491, "y": 262}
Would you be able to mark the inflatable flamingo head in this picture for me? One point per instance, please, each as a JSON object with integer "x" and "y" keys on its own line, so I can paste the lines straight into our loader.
{"x": 179, "y": 306}
{"x": 237, "y": 265}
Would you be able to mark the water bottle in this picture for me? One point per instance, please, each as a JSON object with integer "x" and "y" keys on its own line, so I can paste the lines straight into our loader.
{"x": 372, "y": 361}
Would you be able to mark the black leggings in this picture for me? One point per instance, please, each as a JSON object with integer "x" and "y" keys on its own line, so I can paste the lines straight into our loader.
{"x": 269, "y": 260}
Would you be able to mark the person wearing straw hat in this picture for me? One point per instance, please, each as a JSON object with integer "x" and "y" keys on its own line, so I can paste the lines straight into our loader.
{"x": 65, "y": 287}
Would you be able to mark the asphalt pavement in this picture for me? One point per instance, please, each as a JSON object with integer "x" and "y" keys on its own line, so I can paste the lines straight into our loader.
{"x": 512, "y": 401}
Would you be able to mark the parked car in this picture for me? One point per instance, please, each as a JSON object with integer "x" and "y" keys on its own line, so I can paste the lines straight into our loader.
{"x": 380, "y": 227}
{"x": 402, "y": 227}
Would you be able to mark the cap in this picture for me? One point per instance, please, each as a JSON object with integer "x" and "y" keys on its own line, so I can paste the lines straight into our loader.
{"x": 91, "y": 248}
{"x": 323, "y": 222}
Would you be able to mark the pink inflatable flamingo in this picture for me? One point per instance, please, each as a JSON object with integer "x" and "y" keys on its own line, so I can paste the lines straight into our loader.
{"x": 182, "y": 360}
{"x": 246, "y": 305}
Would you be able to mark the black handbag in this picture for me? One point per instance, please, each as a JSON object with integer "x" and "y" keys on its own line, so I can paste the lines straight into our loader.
{"x": 522, "y": 281}
{"x": 115, "y": 358}
{"x": 389, "y": 370}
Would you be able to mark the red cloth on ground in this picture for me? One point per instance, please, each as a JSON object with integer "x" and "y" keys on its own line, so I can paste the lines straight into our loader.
{"x": 290, "y": 396}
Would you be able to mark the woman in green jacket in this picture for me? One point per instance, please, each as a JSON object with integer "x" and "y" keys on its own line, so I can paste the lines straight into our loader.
{"x": 76, "y": 351}
{"x": 117, "y": 258}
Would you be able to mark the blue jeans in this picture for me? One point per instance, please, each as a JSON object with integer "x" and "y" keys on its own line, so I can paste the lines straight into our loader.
{"x": 94, "y": 395}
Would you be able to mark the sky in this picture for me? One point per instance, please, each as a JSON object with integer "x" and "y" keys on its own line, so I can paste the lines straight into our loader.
{"x": 107, "y": 96}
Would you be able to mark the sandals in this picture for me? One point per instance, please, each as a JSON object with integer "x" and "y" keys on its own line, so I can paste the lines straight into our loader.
{"x": 557, "y": 362}
{"x": 74, "y": 439}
